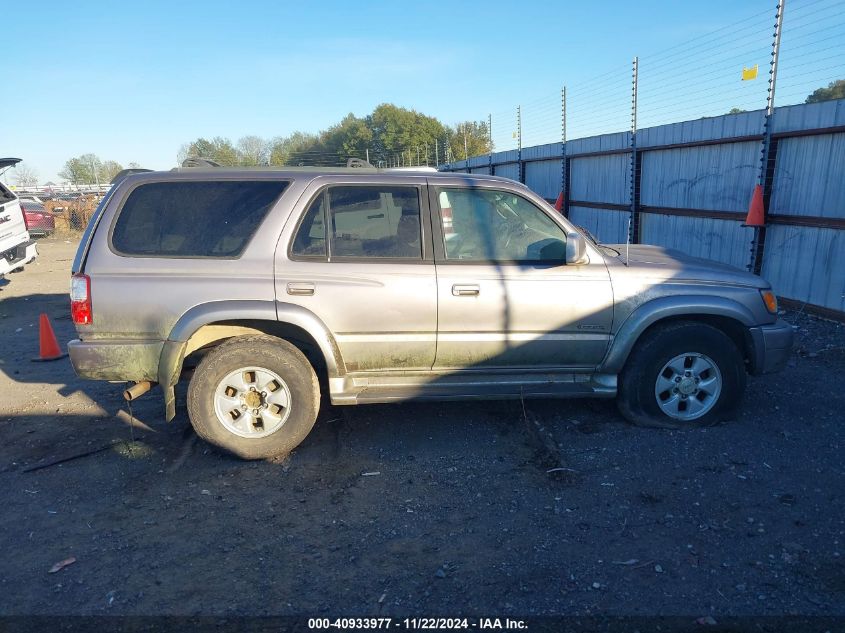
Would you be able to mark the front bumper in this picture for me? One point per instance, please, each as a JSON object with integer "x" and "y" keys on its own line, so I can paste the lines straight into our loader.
{"x": 772, "y": 346}
{"x": 115, "y": 359}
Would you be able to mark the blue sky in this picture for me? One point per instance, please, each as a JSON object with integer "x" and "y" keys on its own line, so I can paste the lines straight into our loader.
{"x": 134, "y": 81}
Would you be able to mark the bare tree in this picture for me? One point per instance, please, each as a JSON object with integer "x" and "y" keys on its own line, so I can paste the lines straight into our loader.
{"x": 253, "y": 150}
{"x": 25, "y": 176}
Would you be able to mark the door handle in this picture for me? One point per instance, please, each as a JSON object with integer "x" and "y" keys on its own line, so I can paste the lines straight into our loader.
{"x": 465, "y": 290}
{"x": 302, "y": 288}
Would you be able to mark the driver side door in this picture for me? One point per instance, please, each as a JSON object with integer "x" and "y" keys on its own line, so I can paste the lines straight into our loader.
{"x": 506, "y": 297}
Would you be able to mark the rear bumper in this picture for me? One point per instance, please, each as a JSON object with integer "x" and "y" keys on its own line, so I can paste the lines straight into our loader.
{"x": 772, "y": 347}
{"x": 115, "y": 360}
{"x": 17, "y": 256}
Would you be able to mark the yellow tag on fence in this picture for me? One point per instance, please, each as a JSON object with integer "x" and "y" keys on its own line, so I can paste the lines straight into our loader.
{"x": 749, "y": 73}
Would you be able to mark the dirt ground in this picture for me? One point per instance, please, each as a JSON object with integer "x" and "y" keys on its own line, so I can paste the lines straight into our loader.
{"x": 416, "y": 509}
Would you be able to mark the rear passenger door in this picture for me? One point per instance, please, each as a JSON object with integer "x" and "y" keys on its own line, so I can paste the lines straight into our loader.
{"x": 358, "y": 255}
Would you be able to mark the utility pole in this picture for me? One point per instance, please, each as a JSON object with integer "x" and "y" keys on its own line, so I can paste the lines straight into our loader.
{"x": 96, "y": 176}
{"x": 436, "y": 154}
{"x": 418, "y": 155}
{"x": 368, "y": 154}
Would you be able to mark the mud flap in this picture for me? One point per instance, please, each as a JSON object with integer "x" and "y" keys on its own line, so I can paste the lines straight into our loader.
{"x": 169, "y": 402}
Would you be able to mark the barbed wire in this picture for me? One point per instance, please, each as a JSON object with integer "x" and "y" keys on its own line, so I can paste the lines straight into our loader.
{"x": 701, "y": 77}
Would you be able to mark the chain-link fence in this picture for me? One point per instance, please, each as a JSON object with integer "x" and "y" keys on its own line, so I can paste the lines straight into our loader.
{"x": 50, "y": 212}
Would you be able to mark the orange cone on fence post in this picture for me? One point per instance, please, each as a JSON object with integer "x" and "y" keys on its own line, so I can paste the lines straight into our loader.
{"x": 755, "y": 209}
{"x": 48, "y": 345}
{"x": 559, "y": 202}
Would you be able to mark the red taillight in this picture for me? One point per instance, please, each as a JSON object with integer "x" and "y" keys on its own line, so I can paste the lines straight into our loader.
{"x": 25, "y": 218}
{"x": 80, "y": 299}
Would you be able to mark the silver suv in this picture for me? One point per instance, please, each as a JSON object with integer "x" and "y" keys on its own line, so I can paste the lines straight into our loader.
{"x": 271, "y": 287}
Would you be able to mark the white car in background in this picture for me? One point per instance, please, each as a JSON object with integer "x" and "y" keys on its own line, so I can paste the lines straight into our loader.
{"x": 16, "y": 247}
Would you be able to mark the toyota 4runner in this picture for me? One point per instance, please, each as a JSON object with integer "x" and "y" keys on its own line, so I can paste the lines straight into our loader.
{"x": 271, "y": 287}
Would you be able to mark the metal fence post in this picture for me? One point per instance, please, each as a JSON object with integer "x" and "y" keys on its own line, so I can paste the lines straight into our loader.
{"x": 768, "y": 151}
{"x": 564, "y": 164}
{"x": 521, "y": 170}
{"x": 634, "y": 224}
{"x": 490, "y": 141}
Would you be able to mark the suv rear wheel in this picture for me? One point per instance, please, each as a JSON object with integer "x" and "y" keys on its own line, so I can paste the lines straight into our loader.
{"x": 254, "y": 396}
{"x": 682, "y": 375}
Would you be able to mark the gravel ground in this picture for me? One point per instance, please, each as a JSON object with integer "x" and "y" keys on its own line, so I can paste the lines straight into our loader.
{"x": 416, "y": 509}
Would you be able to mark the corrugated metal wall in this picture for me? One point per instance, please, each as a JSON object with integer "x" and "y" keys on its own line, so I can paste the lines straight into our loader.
{"x": 610, "y": 227}
{"x": 718, "y": 177}
{"x": 694, "y": 198}
{"x": 544, "y": 177}
{"x": 508, "y": 171}
{"x": 709, "y": 238}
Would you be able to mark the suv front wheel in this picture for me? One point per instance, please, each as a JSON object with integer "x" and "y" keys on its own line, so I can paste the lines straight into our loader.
{"x": 254, "y": 396}
{"x": 682, "y": 375}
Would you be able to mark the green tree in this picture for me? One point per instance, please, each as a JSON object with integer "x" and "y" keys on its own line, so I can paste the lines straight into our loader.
{"x": 82, "y": 170}
{"x": 351, "y": 137}
{"x": 218, "y": 149}
{"x": 402, "y": 132}
{"x": 108, "y": 170}
{"x": 468, "y": 139}
{"x": 736, "y": 111}
{"x": 834, "y": 90}
{"x": 389, "y": 135}
{"x": 283, "y": 150}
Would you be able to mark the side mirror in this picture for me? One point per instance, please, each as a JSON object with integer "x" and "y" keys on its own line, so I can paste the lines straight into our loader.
{"x": 576, "y": 248}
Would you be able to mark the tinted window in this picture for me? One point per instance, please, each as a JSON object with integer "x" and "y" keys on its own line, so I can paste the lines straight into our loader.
{"x": 364, "y": 222}
{"x": 5, "y": 195}
{"x": 310, "y": 239}
{"x": 193, "y": 219}
{"x": 486, "y": 225}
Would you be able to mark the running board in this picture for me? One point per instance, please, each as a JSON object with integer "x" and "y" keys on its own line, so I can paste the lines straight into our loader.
{"x": 361, "y": 388}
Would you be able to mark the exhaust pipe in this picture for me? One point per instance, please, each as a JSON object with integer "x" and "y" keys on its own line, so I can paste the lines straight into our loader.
{"x": 137, "y": 390}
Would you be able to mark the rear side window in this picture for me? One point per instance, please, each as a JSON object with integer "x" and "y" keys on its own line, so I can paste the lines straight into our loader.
{"x": 193, "y": 219}
{"x": 5, "y": 195}
{"x": 362, "y": 222}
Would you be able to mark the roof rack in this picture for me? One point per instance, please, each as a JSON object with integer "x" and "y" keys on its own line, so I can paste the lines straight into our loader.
{"x": 358, "y": 162}
{"x": 123, "y": 173}
{"x": 195, "y": 161}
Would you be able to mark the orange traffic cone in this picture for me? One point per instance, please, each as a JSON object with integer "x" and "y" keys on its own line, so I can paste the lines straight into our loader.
{"x": 559, "y": 202}
{"x": 755, "y": 209}
{"x": 49, "y": 346}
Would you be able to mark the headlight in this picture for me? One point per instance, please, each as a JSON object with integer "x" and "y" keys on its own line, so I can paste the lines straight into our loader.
{"x": 770, "y": 300}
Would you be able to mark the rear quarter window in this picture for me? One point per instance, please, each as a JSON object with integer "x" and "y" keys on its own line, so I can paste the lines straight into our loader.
{"x": 193, "y": 219}
{"x": 5, "y": 195}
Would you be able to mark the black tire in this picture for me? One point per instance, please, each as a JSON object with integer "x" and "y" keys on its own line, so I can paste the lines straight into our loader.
{"x": 636, "y": 397}
{"x": 267, "y": 352}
